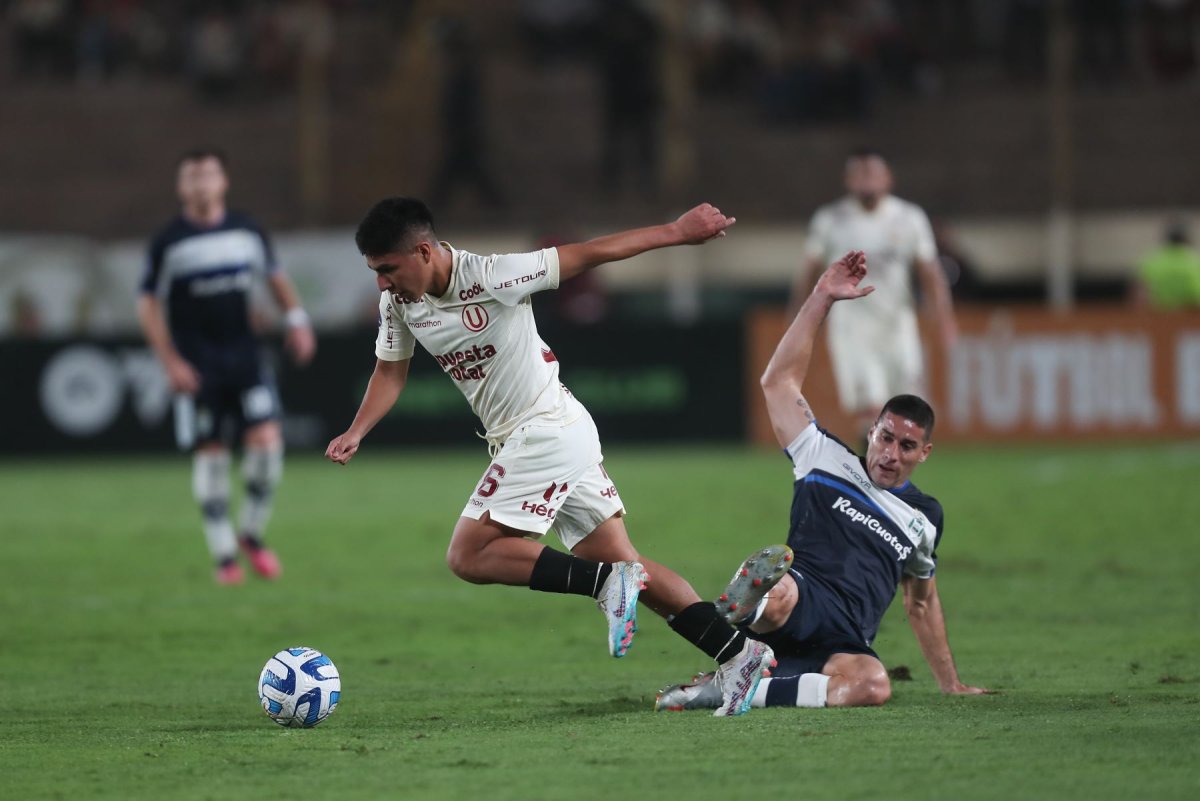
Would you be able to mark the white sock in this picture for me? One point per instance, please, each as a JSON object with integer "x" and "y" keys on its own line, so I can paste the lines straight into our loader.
{"x": 810, "y": 689}
{"x": 262, "y": 469}
{"x": 210, "y": 488}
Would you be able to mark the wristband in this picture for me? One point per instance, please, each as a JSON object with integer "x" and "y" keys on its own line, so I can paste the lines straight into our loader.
{"x": 296, "y": 317}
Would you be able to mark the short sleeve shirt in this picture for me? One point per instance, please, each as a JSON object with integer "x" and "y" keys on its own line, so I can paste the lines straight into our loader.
{"x": 483, "y": 335}
{"x": 852, "y": 536}
{"x": 208, "y": 274}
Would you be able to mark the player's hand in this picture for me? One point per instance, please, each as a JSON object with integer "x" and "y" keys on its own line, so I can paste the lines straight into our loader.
{"x": 183, "y": 378}
{"x": 342, "y": 448}
{"x": 842, "y": 278}
{"x": 301, "y": 343}
{"x": 958, "y": 688}
{"x": 702, "y": 223}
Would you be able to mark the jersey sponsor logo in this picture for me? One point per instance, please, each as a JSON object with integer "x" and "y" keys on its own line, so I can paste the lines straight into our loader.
{"x": 538, "y": 509}
{"x": 524, "y": 279}
{"x": 872, "y": 523}
{"x": 220, "y": 284}
{"x": 475, "y": 317}
{"x": 397, "y": 299}
{"x": 425, "y": 324}
{"x": 454, "y": 363}
{"x": 857, "y": 476}
{"x": 474, "y": 292}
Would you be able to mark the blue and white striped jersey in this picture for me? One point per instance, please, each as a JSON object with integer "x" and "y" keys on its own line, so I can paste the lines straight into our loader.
{"x": 852, "y": 536}
{"x": 209, "y": 273}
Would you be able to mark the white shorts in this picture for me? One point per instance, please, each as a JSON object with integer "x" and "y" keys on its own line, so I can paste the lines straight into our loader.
{"x": 548, "y": 476}
{"x": 871, "y": 366}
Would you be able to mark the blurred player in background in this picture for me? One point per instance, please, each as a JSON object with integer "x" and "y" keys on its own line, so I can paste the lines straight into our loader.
{"x": 207, "y": 258}
{"x": 875, "y": 345}
{"x": 858, "y": 528}
{"x": 474, "y": 314}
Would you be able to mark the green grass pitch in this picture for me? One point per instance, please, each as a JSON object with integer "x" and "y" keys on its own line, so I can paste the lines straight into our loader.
{"x": 1069, "y": 580}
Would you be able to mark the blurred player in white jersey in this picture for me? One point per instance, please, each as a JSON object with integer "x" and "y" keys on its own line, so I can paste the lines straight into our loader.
{"x": 874, "y": 344}
{"x": 474, "y": 315}
{"x": 207, "y": 259}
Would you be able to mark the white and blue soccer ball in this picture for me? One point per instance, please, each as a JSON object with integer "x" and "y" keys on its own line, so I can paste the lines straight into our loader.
{"x": 299, "y": 687}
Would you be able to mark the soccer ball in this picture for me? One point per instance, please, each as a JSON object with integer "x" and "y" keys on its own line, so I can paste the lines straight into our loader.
{"x": 299, "y": 687}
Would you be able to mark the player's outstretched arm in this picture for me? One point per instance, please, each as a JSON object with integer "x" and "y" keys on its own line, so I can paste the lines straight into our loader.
{"x": 694, "y": 227}
{"x": 938, "y": 298}
{"x": 783, "y": 380}
{"x": 387, "y": 382}
{"x": 924, "y": 609}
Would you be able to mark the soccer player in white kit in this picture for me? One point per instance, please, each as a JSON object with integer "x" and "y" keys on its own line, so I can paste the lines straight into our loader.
{"x": 474, "y": 314}
{"x": 874, "y": 344}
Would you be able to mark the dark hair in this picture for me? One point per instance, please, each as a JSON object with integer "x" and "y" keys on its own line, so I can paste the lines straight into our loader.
{"x": 201, "y": 153}
{"x": 910, "y": 407}
{"x": 390, "y": 222}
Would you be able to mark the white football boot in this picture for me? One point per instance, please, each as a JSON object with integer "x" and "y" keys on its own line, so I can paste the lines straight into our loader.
{"x": 618, "y": 601}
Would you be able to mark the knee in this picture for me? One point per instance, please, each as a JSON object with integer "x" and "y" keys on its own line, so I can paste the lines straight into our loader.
{"x": 464, "y": 563}
{"x": 781, "y": 601}
{"x": 875, "y": 691}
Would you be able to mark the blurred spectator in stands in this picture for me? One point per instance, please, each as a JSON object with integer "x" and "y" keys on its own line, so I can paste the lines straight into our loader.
{"x": 730, "y": 44}
{"x": 1026, "y": 31}
{"x": 557, "y": 30}
{"x": 822, "y": 74}
{"x": 628, "y": 49}
{"x": 1102, "y": 27}
{"x": 215, "y": 55}
{"x": 1170, "y": 31}
{"x": 464, "y": 134}
{"x": 1168, "y": 277}
{"x": 41, "y": 31}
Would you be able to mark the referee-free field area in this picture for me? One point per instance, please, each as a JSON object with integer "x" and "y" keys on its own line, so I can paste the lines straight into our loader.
{"x": 1069, "y": 579}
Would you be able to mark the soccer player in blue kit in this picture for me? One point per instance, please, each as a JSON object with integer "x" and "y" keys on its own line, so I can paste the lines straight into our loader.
{"x": 208, "y": 257}
{"x": 859, "y": 528}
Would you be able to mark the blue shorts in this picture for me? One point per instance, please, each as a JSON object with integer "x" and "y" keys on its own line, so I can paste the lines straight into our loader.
{"x": 234, "y": 394}
{"x": 818, "y": 628}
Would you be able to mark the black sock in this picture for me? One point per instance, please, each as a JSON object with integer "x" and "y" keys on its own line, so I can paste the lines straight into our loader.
{"x": 700, "y": 625}
{"x": 252, "y": 542}
{"x": 556, "y": 571}
{"x": 783, "y": 692}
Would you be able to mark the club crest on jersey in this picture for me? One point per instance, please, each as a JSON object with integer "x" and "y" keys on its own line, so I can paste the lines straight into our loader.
{"x": 475, "y": 317}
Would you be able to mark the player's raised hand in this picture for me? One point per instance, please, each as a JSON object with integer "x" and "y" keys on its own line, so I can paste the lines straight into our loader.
{"x": 842, "y": 279}
{"x": 697, "y": 226}
{"x": 342, "y": 448}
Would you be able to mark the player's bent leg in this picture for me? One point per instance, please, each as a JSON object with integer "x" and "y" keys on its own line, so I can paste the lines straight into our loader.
{"x": 856, "y": 680}
{"x": 486, "y": 552}
{"x": 262, "y": 470}
{"x": 754, "y": 578}
{"x": 780, "y": 601}
{"x": 668, "y": 594}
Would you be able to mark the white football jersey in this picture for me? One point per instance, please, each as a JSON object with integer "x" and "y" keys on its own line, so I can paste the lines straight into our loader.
{"x": 482, "y": 333}
{"x": 893, "y": 235}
